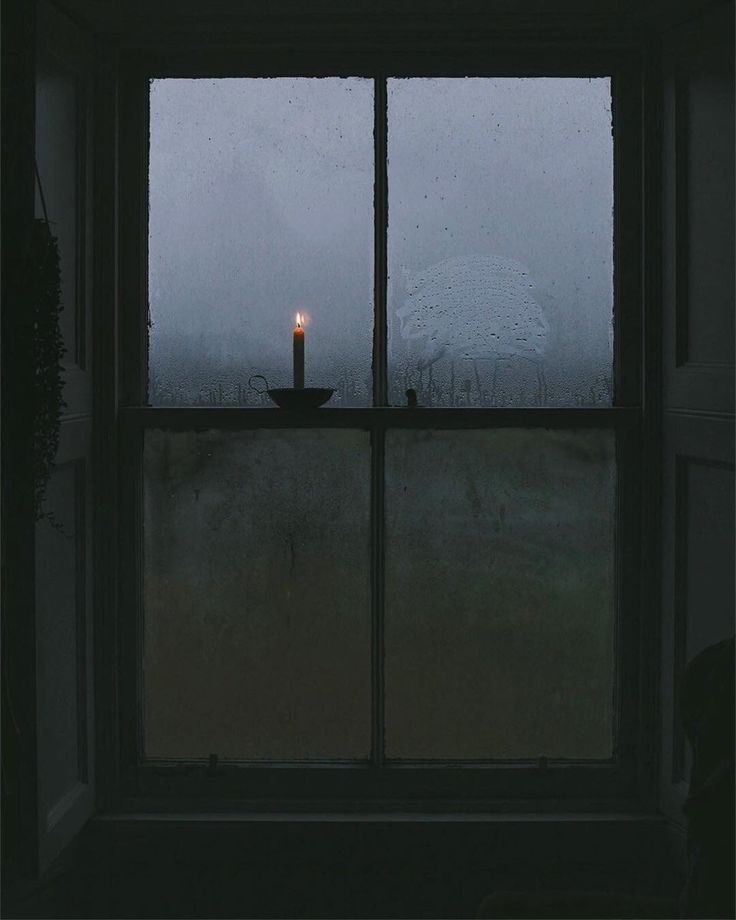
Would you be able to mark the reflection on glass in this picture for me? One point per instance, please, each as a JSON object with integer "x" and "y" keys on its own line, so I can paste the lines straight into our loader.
{"x": 499, "y": 594}
{"x": 257, "y": 595}
{"x": 261, "y": 205}
{"x": 500, "y": 241}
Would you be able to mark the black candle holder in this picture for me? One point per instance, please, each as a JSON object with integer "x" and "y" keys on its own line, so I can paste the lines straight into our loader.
{"x": 298, "y": 398}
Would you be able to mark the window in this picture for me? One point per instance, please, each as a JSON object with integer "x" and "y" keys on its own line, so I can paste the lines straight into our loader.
{"x": 390, "y": 601}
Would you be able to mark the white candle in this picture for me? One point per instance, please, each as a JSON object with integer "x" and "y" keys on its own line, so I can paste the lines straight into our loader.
{"x": 299, "y": 353}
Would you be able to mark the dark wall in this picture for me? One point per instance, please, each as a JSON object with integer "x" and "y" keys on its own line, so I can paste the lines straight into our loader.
{"x": 18, "y": 380}
{"x": 437, "y": 874}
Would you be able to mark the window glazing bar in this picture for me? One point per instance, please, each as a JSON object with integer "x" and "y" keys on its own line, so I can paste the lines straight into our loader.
{"x": 378, "y": 439}
{"x": 380, "y": 256}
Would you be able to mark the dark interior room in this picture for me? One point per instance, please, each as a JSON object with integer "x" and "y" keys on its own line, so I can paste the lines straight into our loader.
{"x": 368, "y": 459}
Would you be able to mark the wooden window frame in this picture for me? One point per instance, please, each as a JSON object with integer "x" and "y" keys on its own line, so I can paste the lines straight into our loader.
{"x": 624, "y": 782}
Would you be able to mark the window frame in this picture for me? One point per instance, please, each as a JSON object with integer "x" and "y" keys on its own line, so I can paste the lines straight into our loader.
{"x": 410, "y": 786}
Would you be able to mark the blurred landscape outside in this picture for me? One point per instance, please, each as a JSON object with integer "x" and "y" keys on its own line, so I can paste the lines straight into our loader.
{"x": 500, "y": 239}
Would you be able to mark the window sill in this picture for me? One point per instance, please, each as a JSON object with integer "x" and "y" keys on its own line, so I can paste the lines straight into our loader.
{"x": 120, "y": 818}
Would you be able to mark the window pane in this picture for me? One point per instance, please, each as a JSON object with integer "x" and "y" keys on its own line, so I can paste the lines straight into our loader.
{"x": 261, "y": 205}
{"x": 500, "y": 241}
{"x": 257, "y": 594}
{"x": 499, "y": 594}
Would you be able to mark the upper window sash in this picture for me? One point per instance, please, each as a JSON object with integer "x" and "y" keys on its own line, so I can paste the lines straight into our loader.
{"x": 627, "y": 370}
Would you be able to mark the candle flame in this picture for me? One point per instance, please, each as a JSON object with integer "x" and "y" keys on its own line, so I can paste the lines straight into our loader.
{"x": 299, "y": 321}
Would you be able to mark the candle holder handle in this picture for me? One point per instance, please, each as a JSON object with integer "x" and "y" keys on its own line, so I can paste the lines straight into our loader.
{"x": 254, "y": 388}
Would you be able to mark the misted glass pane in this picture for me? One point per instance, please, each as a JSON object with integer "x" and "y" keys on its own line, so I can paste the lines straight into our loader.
{"x": 257, "y": 594}
{"x": 261, "y": 206}
{"x": 500, "y": 241}
{"x": 499, "y": 594}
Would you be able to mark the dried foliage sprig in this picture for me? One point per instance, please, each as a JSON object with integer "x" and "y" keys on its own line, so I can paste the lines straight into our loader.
{"x": 48, "y": 346}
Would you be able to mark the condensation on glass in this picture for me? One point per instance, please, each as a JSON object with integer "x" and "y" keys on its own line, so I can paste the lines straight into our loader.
{"x": 261, "y": 205}
{"x": 499, "y": 631}
{"x": 257, "y": 595}
{"x": 500, "y": 241}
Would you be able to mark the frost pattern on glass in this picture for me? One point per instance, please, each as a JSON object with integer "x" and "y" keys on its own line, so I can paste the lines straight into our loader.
{"x": 257, "y": 595}
{"x": 261, "y": 205}
{"x": 499, "y": 631}
{"x": 500, "y": 241}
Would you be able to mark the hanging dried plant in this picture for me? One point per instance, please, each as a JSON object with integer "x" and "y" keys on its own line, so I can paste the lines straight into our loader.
{"x": 48, "y": 347}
